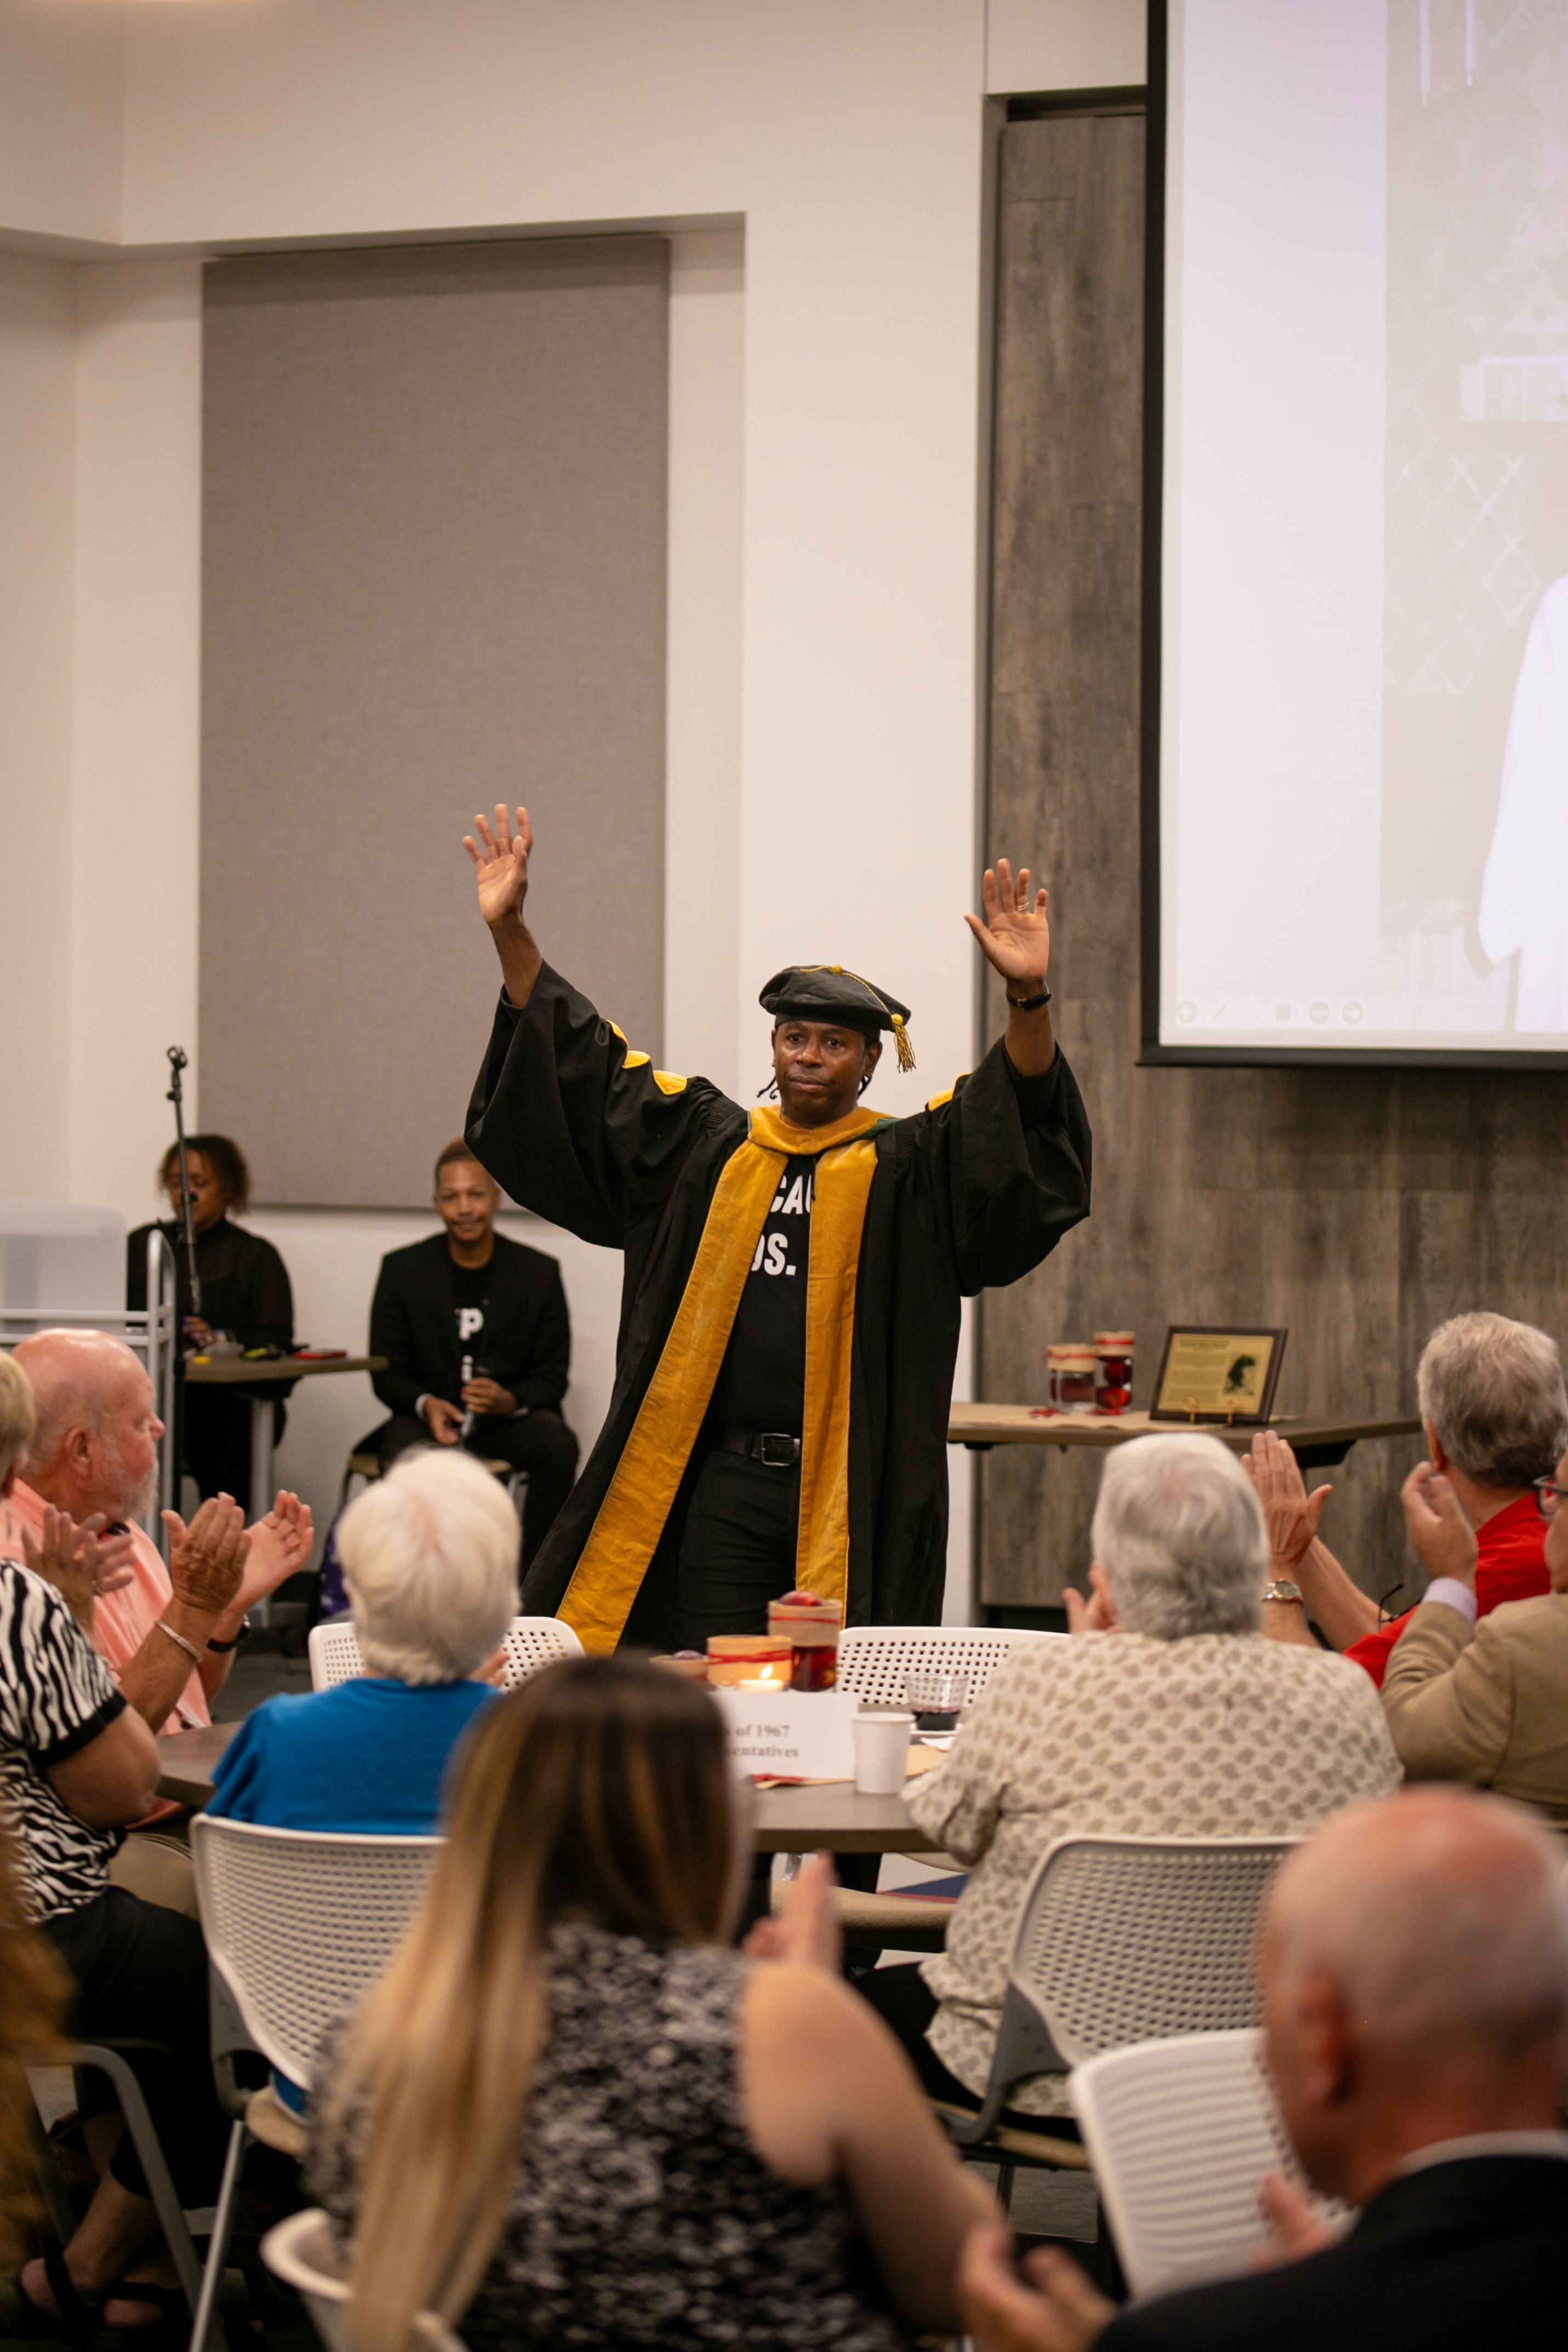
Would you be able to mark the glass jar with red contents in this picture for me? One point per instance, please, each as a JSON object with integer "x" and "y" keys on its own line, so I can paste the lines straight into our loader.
{"x": 1112, "y": 1370}
{"x": 1071, "y": 1367}
{"x": 811, "y": 1625}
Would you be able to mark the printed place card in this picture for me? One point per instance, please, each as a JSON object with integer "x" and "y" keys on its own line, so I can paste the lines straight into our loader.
{"x": 791, "y": 1735}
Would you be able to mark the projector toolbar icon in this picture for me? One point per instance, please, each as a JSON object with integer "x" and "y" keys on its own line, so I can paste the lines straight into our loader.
{"x": 1352, "y": 1014}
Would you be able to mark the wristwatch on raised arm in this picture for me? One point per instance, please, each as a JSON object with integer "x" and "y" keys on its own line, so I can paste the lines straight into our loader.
{"x": 1281, "y": 1589}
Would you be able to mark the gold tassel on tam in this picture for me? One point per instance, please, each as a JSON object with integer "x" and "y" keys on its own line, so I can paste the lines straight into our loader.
{"x": 905, "y": 1051}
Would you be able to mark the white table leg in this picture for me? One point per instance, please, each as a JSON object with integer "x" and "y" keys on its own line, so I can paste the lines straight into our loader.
{"x": 261, "y": 1476}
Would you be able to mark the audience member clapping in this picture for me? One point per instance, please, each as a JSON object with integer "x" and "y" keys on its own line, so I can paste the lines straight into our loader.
{"x": 429, "y": 1557}
{"x": 1414, "y": 1968}
{"x": 76, "y": 1764}
{"x": 570, "y": 2114}
{"x": 1484, "y": 1702}
{"x": 1495, "y": 1415}
{"x": 169, "y": 1642}
{"x": 1169, "y": 1716}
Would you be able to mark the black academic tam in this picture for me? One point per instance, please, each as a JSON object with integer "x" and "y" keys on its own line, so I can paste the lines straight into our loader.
{"x": 972, "y": 1191}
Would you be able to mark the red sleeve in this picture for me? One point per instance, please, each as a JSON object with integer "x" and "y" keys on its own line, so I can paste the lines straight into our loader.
{"x": 1375, "y": 1649}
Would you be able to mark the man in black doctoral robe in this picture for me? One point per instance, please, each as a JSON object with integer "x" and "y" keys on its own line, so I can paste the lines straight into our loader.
{"x": 749, "y": 1448}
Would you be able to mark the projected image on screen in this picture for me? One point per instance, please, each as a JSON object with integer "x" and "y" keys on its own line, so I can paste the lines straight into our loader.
{"x": 1364, "y": 736}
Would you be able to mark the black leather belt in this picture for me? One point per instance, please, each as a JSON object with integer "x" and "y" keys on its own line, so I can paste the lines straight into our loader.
{"x": 775, "y": 1447}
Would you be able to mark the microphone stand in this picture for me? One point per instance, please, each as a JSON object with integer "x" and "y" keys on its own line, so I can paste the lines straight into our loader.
{"x": 175, "y": 1437}
{"x": 178, "y": 1060}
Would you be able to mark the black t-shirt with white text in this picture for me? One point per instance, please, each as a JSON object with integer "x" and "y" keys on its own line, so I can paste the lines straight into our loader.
{"x": 470, "y": 1287}
{"x": 762, "y": 1382}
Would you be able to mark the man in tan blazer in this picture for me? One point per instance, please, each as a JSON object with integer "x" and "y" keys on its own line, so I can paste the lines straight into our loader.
{"x": 1485, "y": 1703}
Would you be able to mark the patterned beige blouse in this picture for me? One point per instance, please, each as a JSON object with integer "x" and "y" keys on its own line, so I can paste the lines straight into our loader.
{"x": 1221, "y": 1735}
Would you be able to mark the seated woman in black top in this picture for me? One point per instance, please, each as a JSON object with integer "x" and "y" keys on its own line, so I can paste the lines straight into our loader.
{"x": 245, "y": 1297}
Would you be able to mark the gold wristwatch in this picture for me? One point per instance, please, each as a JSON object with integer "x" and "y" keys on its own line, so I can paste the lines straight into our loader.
{"x": 1281, "y": 1589}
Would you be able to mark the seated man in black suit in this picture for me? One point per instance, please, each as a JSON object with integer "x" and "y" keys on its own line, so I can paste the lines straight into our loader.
{"x": 1414, "y": 1958}
{"x": 478, "y": 1344}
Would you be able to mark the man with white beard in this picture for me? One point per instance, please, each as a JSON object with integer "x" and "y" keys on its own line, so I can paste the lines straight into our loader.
{"x": 167, "y": 1634}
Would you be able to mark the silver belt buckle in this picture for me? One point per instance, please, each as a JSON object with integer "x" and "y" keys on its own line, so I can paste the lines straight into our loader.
{"x": 771, "y": 1458}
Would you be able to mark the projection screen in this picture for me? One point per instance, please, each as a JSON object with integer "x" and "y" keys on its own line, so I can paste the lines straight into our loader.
{"x": 1357, "y": 835}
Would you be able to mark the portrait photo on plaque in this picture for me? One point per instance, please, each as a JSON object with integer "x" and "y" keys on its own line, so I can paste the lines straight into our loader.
{"x": 1210, "y": 1374}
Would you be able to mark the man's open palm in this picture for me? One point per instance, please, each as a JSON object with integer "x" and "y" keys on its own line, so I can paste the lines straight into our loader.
{"x": 502, "y": 863}
{"x": 1016, "y": 935}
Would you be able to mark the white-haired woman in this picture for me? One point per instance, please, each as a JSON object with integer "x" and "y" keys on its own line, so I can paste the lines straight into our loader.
{"x": 429, "y": 1557}
{"x": 1171, "y": 1717}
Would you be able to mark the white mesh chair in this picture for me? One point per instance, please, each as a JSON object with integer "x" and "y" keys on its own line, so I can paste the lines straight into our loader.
{"x": 298, "y": 1924}
{"x": 303, "y": 2252}
{"x": 1181, "y": 2133}
{"x": 874, "y": 1662}
{"x": 529, "y": 1643}
{"x": 1119, "y": 1940}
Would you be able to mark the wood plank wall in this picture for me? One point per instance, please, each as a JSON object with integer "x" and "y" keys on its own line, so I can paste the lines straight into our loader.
{"x": 1358, "y": 1208}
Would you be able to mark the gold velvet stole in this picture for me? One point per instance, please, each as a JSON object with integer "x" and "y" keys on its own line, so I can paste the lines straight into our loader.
{"x": 631, "y": 1518}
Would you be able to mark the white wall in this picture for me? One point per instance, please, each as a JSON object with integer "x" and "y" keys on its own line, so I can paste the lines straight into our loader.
{"x": 1052, "y": 45}
{"x": 61, "y": 119}
{"x": 136, "y": 783}
{"x": 37, "y": 505}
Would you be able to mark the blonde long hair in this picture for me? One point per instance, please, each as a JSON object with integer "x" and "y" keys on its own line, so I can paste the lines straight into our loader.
{"x": 598, "y": 1791}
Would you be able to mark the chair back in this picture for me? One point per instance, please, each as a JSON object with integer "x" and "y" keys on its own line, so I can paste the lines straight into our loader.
{"x": 1181, "y": 2133}
{"x": 876, "y": 1661}
{"x": 303, "y": 2252}
{"x": 301, "y": 1923}
{"x": 1127, "y": 1939}
{"x": 529, "y": 1643}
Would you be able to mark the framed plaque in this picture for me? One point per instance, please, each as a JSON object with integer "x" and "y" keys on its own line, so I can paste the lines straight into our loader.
{"x": 1207, "y": 1374}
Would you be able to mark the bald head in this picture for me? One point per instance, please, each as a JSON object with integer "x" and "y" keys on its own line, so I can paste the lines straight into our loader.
{"x": 1414, "y": 1964}
{"x": 1440, "y": 1915}
{"x": 94, "y": 1447}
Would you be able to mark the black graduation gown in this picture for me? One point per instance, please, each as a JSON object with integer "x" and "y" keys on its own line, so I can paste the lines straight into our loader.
{"x": 969, "y": 1193}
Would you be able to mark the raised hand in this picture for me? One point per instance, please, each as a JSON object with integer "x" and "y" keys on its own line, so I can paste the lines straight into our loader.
{"x": 501, "y": 863}
{"x": 1442, "y": 1536}
{"x": 207, "y": 1559}
{"x": 806, "y": 1930}
{"x": 79, "y": 1562}
{"x": 280, "y": 1547}
{"x": 1053, "y": 2307}
{"x": 1292, "y": 1515}
{"x": 1095, "y": 1615}
{"x": 1016, "y": 936}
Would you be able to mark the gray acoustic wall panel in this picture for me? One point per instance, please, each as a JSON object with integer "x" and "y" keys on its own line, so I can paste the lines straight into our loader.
{"x": 434, "y": 489}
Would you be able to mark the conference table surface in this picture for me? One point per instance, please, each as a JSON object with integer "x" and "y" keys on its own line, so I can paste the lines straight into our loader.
{"x": 830, "y": 1813}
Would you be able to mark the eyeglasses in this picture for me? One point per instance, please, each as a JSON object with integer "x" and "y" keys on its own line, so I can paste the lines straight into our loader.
{"x": 1548, "y": 1495}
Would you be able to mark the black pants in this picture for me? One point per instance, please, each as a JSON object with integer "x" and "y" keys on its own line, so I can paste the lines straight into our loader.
{"x": 538, "y": 1442}
{"x": 140, "y": 1973}
{"x": 217, "y": 1443}
{"x": 903, "y": 2001}
{"x": 737, "y": 1549}
{"x": 737, "y": 1553}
